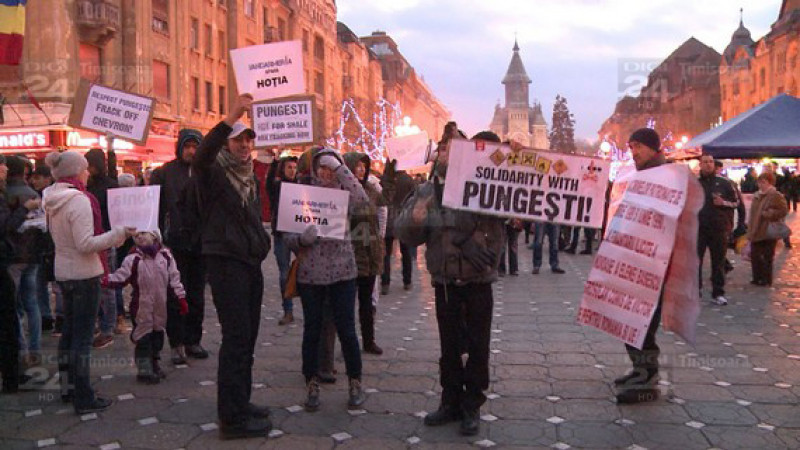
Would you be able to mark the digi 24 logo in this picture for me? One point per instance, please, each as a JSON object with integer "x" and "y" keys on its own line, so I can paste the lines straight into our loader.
{"x": 633, "y": 75}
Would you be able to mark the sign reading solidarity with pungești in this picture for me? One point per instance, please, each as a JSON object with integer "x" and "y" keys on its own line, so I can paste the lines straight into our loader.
{"x": 628, "y": 273}
{"x": 134, "y": 207}
{"x": 301, "y": 206}
{"x": 284, "y": 122}
{"x": 489, "y": 178}
{"x": 410, "y": 151}
{"x": 105, "y": 110}
{"x": 269, "y": 70}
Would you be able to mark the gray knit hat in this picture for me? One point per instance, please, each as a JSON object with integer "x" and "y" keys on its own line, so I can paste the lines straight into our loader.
{"x": 66, "y": 164}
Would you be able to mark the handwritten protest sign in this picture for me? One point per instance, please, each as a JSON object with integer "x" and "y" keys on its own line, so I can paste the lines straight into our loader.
{"x": 134, "y": 207}
{"x": 301, "y": 206}
{"x": 410, "y": 151}
{"x": 628, "y": 273}
{"x": 105, "y": 110}
{"x": 529, "y": 184}
{"x": 284, "y": 122}
{"x": 269, "y": 70}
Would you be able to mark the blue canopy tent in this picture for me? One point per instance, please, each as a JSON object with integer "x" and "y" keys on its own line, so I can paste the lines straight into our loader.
{"x": 771, "y": 129}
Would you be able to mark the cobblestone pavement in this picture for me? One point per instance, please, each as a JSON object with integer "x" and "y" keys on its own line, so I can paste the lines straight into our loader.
{"x": 551, "y": 380}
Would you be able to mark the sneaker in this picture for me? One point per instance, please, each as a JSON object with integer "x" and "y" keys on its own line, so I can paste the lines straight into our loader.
{"x": 252, "y": 428}
{"x": 99, "y": 404}
{"x": 356, "y": 396}
{"x": 195, "y": 351}
{"x": 442, "y": 416}
{"x": 557, "y": 270}
{"x": 287, "y": 318}
{"x": 121, "y": 326}
{"x": 102, "y": 341}
{"x": 312, "y": 397}
{"x": 719, "y": 300}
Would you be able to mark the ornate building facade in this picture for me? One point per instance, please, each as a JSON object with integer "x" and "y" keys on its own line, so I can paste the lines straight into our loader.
{"x": 752, "y": 72}
{"x": 518, "y": 120}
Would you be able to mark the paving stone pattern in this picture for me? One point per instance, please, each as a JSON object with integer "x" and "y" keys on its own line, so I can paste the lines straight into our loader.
{"x": 551, "y": 380}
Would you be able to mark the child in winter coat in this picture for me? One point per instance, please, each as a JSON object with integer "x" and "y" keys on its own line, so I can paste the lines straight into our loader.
{"x": 151, "y": 270}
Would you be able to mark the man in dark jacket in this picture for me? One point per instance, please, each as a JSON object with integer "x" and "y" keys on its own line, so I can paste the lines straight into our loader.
{"x": 639, "y": 385}
{"x": 716, "y": 225}
{"x": 102, "y": 177}
{"x": 281, "y": 171}
{"x": 404, "y": 186}
{"x": 234, "y": 244}
{"x": 462, "y": 253}
{"x": 178, "y": 190}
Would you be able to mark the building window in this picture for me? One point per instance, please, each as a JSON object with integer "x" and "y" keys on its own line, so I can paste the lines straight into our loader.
{"x": 195, "y": 93}
{"x": 209, "y": 40}
{"x": 194, "y": 32}
{"x": 223, "y": 48}
{"x": 222, "y": 98}
{"x": 319, "y": 48}
{"x": 249, "y": 8}
{"x": 160, "y": 79}
{"x": 319, "y": 84}
{"x": 281, "y": 29}
{"x": 209, "y": 97}
{"x": 161, "y": 16}
{"x": 89, "y": 61}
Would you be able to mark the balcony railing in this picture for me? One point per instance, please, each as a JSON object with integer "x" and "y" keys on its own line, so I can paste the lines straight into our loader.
{"x": 99, "y": 20}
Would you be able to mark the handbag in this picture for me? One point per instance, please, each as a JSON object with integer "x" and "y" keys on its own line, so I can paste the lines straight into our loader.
{"x": 778, "y": 230}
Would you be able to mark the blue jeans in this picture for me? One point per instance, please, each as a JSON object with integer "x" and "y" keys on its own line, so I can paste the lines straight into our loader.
{"x": 282, "y": 256}
{"x": 342, "y": 296}
{"x": 541, "y": 230}
{"x": 24, "y": 276}
{"x": 108, "y": 300}
{"x": 81, "y": 302}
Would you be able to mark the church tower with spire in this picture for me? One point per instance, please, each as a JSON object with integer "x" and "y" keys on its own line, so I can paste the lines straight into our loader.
{"x": 518, "y": 120}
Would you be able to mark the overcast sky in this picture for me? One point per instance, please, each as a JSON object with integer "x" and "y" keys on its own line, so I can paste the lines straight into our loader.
{"x": 570, "y": 47}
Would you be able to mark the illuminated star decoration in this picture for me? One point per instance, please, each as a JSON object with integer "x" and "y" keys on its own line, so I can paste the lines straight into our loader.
{"x": 370, "y": 141}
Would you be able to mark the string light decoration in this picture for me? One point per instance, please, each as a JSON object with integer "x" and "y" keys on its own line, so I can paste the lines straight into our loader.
{"x": 370, "y": 141}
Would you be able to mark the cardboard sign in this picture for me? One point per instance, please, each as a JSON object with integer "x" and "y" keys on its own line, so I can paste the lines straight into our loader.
{"x": 647, "y": 210}
{"x": 134, "y": 207}
{"x": 410, "y": 151}
{"x": 301, "y": 206}
{"x": 269, "y": 70}
{"x": 105, "y": 110}
{"x": 489, "y": 178}
{"x": 284, "y": 122}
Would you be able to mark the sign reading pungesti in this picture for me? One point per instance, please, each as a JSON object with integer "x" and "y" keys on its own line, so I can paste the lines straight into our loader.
{"x": 529, "y": 184}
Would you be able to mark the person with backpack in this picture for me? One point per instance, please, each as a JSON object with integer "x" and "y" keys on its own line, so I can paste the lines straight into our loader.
{"x": 179, "y": 220}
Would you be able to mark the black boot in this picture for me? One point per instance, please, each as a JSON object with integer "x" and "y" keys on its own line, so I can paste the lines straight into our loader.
{"x": 144, "y": 371}
{"x": 157, "y": 371}
{"x": 470, "y": 421}
{"x": 251, "y": 428}
{"x": 445, "y": 414}
{"x": 367, "y": 320}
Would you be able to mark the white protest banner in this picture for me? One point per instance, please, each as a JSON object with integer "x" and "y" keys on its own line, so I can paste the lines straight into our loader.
{"x": 284, "y": 122}
{"x": 625, "y": 283}
{"x": 134, "y": 207}
{"x": 269, "y": 70}
{"x": 105, "y": 110}
{"x": 301, "y": 206}
{"x": 410, "y": 151}
{"x": 489, "y": 178}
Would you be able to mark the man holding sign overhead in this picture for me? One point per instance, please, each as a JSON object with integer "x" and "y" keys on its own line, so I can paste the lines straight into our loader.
{"x": 234, "y": 244}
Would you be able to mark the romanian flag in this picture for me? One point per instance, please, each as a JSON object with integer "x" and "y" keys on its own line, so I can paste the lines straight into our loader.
{"x": 12, "y": 28}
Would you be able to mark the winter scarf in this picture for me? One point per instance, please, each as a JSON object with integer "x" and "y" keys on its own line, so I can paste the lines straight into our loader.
{"x": 239, "y": 173}
{"x": 97, "y": 217}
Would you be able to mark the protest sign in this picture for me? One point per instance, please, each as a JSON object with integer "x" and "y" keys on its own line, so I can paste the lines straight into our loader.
{"x": 105, "y": 110}
{"x": 134, "y": 207}
{"x": 269, "y": 70}
{"x": 628, "y": 273}
{"x": 410, "y": 151}
{"x": 489, "y": 178}
{"x": 301, "y": 206}
{"x": 287, "y": 121}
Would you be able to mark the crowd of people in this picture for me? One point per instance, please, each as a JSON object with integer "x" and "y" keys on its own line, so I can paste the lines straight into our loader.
{"x": 63, "y": 267}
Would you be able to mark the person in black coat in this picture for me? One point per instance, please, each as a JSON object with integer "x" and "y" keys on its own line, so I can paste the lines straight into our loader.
{"x": 234, "y": 244}
{"x": 178, "y": 194}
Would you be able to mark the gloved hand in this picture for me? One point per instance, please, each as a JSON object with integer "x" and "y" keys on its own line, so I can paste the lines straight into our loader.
{"x": 481, "y": 258}
{"x": 329, "y": 161}
{"x": 184, "y": 307}
{"x": 309, "y": 236}
{"x": 104, "y": 281}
